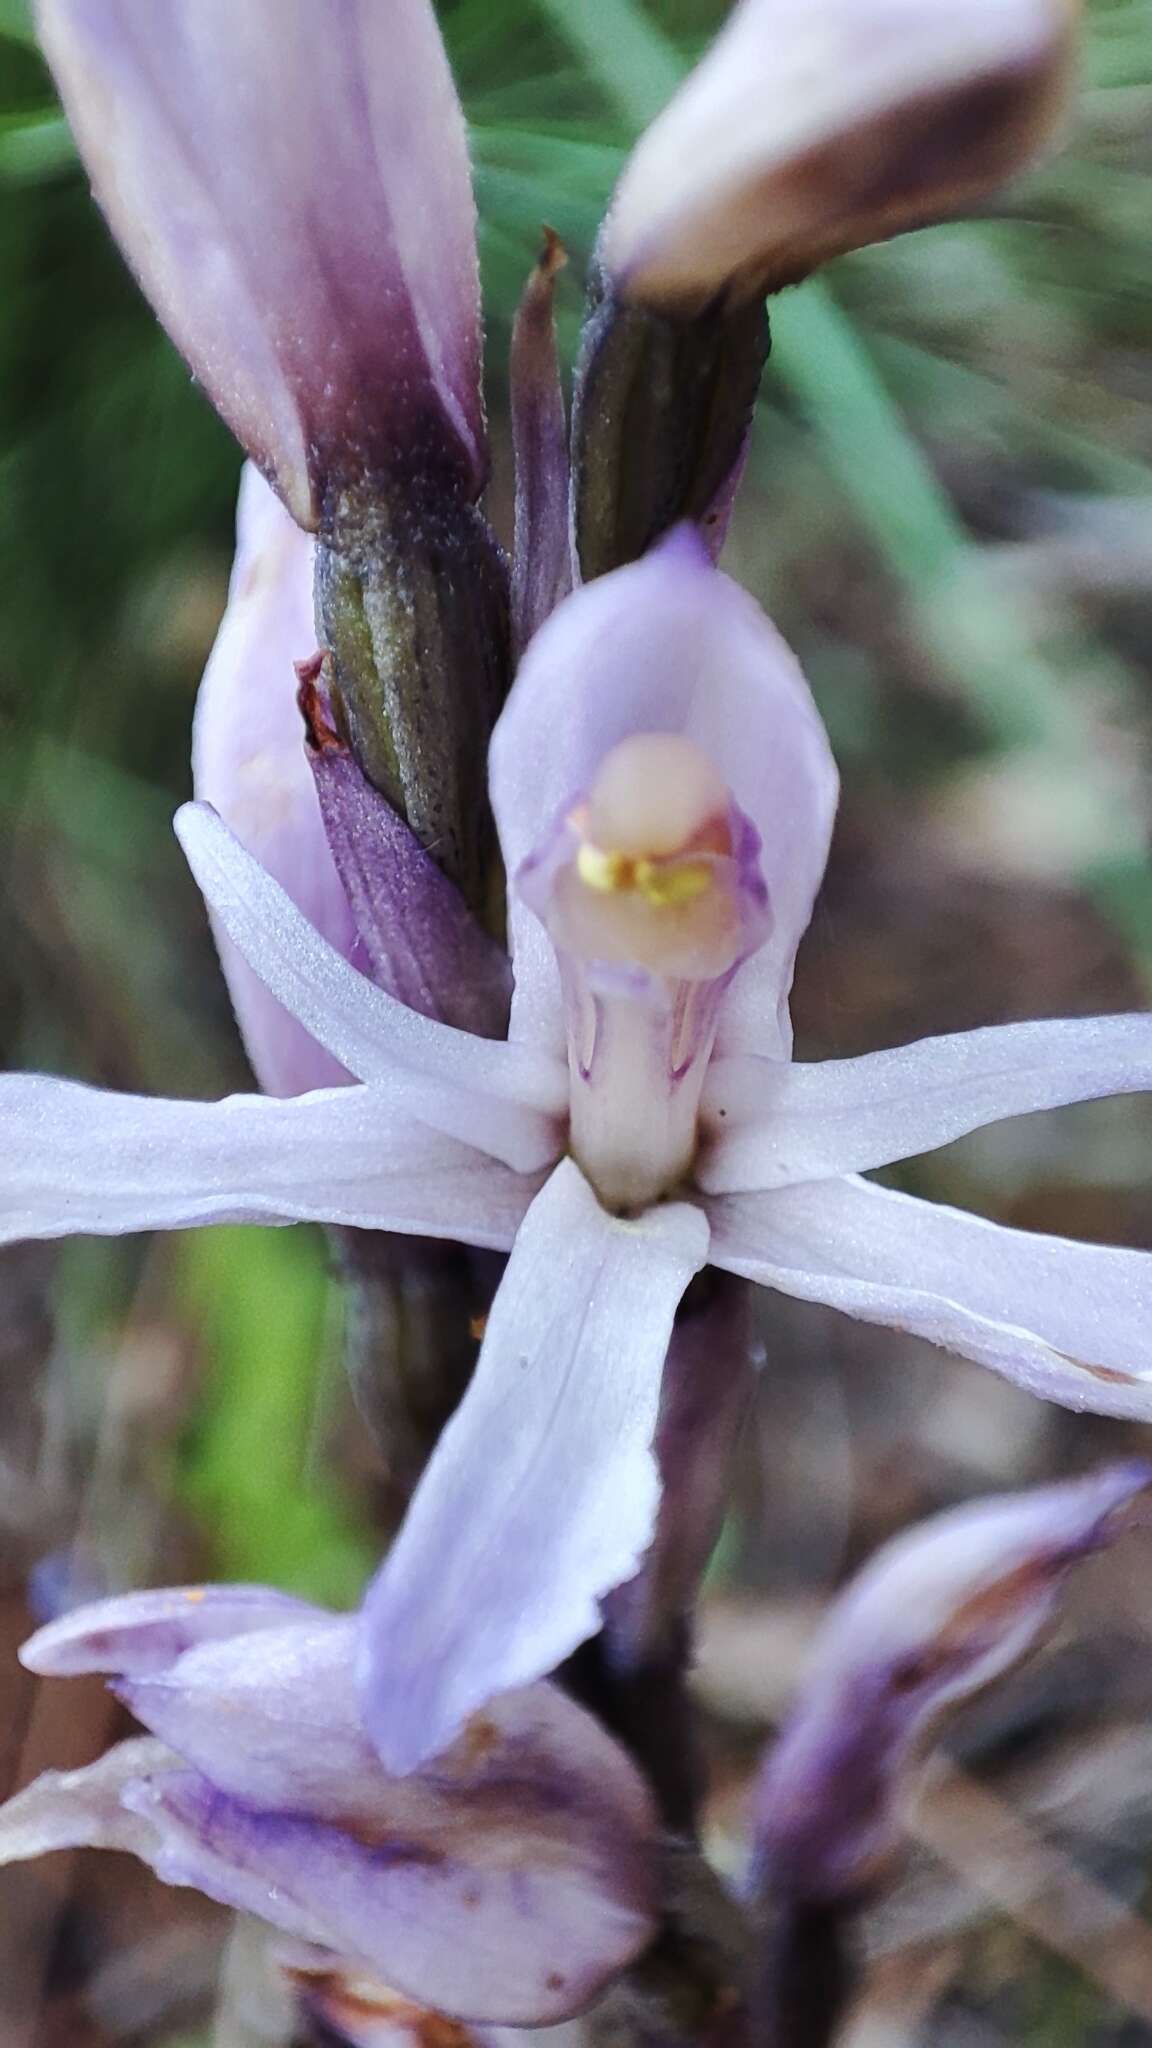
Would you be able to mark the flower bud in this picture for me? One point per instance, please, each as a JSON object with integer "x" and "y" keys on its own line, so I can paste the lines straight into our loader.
{"x": 290, "y": 183}
{"x": 249, "y": 762}
{"x": 939, "y": 1614}
{"x": 817, "y": 126}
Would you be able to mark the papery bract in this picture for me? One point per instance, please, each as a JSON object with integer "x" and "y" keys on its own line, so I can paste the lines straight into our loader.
{"x": 811, "y": 129}
{"x": 291, "y": 185}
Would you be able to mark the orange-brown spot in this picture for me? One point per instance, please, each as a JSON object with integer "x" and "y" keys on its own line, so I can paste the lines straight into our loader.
{"x": 479, "y": 1739}
{"x": 1110, "y": 1374}
{"x": 340, "y": 2002}
{"x": 319, "y": 731}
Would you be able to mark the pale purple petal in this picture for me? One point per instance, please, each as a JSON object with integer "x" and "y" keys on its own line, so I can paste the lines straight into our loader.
{"x": 79, "y": 1160}
{"x": 249, "y": 763}
{"x": 937, "y": 1615}
{"x": 82, "y": 1808}
{"x": 421, "y": 942}
{"x": 272, "y": 1719}
{"x": 542, "y": 552}
{"x": 542, "y": 1492}
{"x": 502, "y": 1098}
{"x": 489, "y": 1926}
{"x": 291, "y": 185}
{"x": 668, "y": 645}
{"x": 139, "y": 1633}
{"x": 535, "y": 1831}
{"x": 1070, "y": 1322}
{"x": 773, "y": 1123}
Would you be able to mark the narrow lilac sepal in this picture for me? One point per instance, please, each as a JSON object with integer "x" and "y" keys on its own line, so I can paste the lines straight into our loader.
{"x": 802, "y": 134}
{"x": 1069, "y": 1322}
{"x": 421, "y": 941}
{"x": 774, "y": 1123}
{"x": 541, "y": 1495}
{"x": 366, "y": 1157}
{"x": 542, "y": 569}
{"x": 139, "y": 1633}
{"x": 938, "y": 1614}
{"x": 500, "y": 1097}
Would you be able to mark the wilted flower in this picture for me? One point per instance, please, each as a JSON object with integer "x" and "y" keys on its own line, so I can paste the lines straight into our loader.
{"x": 508, "y": 1883}
{"x": 664, "y": 794}
{"x": 810, "y": 129}
{"x": 938, "y": 1614}
{"x": 291, "y": 185}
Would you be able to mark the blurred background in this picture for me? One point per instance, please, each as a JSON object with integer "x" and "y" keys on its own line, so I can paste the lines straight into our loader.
{"x": 949, "y": 512}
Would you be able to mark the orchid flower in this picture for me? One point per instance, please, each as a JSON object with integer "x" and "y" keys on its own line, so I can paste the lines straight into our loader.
{"x": 808, "y": 130}
{"x": 664, "y": 793}
{"x": 509, "y": 1883}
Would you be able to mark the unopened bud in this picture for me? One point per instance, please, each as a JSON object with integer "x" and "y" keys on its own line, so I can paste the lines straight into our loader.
{"x": 817, "y": 126}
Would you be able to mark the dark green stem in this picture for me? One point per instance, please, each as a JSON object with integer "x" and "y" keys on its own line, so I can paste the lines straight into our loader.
{"x": 412, "y": 604}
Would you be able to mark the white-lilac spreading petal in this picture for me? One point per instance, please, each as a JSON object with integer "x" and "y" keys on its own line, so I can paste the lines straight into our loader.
{"x": 249, "y": 763}
{"x": 669, "y": 645}
{"x": 775, "y": 1123}
{"x": 508, "y": 1884}
{"x": 503, "y": 1098}
{"x": 141, "y": 1632}
{"x": 809, "y": 130}
{"x": 935, "y": 1616}
{"x": 291, "y": 185}
{"x": 82, "y": 1809}
{"x": 1070, "y": 1322}
{"x": 541, "y": 1495}
{"x": 76, "y": 1160}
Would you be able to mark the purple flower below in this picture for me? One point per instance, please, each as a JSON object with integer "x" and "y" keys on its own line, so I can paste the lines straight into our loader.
{"x": 508, "y": 1883}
